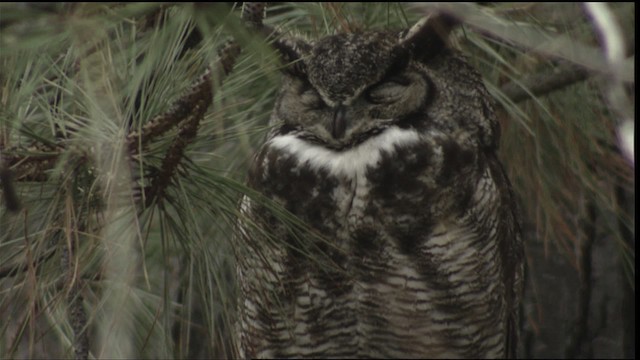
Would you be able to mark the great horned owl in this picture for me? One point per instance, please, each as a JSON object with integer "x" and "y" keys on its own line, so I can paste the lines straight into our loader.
{"x": 384, "y": 145}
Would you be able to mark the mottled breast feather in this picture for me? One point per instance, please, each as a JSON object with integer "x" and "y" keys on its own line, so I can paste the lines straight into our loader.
{"x": 417, "y": 270}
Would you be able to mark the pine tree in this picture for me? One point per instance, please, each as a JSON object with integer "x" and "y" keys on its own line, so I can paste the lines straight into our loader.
{"x": 126, "y": 130}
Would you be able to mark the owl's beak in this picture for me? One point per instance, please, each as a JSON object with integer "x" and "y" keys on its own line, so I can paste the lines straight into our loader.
{"x": 339, "y": 125}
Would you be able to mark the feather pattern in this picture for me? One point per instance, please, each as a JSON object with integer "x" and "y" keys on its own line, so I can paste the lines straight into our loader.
{"x": 412, "y": 246}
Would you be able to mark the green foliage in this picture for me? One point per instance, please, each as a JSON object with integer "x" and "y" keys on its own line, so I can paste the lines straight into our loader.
{"x": 157, "y": 281}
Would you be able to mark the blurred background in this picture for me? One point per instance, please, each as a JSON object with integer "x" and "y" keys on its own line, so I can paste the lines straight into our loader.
{"x": 126, "y": 131}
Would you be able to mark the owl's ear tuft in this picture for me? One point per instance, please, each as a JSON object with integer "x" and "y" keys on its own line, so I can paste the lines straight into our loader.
{"x": 429, "y": 36}
{"x": 292, "y": 52}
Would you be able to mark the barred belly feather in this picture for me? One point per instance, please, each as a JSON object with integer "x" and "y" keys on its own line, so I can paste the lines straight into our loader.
{"x": 418, "y": 279}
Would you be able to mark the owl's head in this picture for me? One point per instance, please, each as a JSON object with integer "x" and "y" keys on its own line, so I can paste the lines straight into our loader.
{"x": 341, "y": 89}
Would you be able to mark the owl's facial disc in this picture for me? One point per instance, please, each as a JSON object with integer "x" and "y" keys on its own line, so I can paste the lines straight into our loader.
{"x": 346, "y": 88}
{"x": 345, "y": 124}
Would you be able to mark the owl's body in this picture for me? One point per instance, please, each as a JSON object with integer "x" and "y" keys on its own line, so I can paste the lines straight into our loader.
{"x": 412, "y": 247}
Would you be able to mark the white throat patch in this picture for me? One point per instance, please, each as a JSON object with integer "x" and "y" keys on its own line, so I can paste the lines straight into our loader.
{"x": 351, "y": 162}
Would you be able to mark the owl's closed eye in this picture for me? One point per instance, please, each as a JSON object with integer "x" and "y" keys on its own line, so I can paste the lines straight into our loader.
{"x": 311, "y": 100}
{"x": 389, "y": 91}
{"x": 339, "y": 106}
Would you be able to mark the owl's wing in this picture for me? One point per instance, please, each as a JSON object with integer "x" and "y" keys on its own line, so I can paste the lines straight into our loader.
{"x": 514, "y": 316}
{"x": 260, "y": 268}
{"x": 511, "y": 249}
{"x": 516, "y": 286}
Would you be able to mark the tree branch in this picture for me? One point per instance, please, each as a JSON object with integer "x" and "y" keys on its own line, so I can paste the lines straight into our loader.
{"x": 197, "y": 100}
{"x": 179, "y": 111}
{"x": 553, "y": 45}
{"x": 544, "y": 82}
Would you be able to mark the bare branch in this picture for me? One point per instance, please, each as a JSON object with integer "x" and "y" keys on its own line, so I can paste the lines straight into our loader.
{"x": 557, "y": 46}
{"x": 545, "y": 82}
